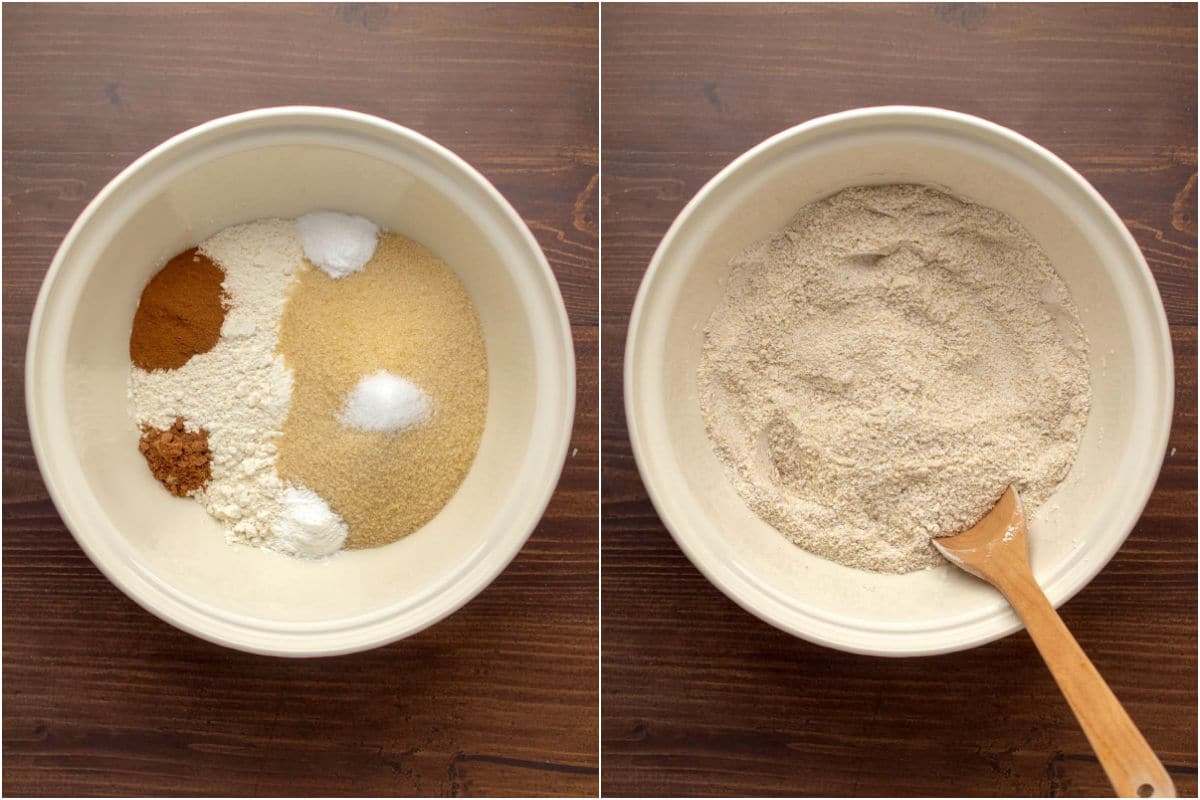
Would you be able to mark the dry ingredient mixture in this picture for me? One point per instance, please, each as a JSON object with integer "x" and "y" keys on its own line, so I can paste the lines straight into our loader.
{"x": 220, "y": 397}
{"x": 879, "y": 371}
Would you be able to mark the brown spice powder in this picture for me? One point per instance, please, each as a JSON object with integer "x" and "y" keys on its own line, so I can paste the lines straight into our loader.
{"x": 180, "y": 314}
{"x": 405, "y": 312}
{"x": 179, "y": 460}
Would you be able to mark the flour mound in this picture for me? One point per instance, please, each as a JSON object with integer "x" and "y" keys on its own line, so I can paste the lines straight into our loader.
{"x": 879, "y": 371}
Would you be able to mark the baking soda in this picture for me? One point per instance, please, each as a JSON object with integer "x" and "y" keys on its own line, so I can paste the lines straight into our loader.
{"x": 306, "y": 526}
{"x": 337, "y": 243}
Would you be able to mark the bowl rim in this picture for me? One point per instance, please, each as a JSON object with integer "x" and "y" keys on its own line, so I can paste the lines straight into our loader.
{"x": 289, "y": 641}
{"x": 753, "y": 598}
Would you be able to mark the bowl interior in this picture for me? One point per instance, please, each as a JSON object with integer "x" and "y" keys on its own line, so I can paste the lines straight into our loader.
{"x": 941, "y": 609}
{"x": 168, "y": 553}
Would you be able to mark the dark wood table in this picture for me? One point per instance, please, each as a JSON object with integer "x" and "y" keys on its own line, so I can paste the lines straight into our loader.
{"x": 102, "y": 698}
{"x": 699, "y": 697}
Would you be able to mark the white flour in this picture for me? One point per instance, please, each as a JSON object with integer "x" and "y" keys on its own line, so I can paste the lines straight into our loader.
{"x": 240, "y": 390}
{"x": 883, "y": 368}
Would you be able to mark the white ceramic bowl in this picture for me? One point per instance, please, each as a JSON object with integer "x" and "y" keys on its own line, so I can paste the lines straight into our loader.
{"x": 1073, "y": 535}
{"x": 168, "y": 554}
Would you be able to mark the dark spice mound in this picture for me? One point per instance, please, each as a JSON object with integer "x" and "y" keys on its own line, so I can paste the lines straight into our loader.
{"x": 180, "y": 313}
{"x": 179, "y": 460}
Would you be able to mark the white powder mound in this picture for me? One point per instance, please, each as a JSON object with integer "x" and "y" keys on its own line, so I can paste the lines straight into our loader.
{"x": 879, "y": 371}
{"x": 240, "y": 390}
{"x": 306, "y": 527}
{"x": 385, "y": 403}
{"x": 337, "y": 243}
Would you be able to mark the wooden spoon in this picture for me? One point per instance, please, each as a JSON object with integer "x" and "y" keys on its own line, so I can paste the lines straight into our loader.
{"x": 996, "y": 549}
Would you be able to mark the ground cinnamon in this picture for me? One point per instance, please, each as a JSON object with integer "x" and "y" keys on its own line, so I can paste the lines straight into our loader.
{"x": 179, "y": 460}
{"x": 180, "y": 313}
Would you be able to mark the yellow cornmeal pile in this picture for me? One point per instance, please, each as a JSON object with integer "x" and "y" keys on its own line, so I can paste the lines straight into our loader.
{"x": 405, "y": 312}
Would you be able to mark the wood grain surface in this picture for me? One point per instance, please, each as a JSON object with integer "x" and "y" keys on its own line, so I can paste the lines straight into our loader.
{"x": 102, "y": 698}
{"x": 700, "y": 698}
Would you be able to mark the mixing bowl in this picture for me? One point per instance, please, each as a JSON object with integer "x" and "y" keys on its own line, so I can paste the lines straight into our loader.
{"x": 1072, "y": 536}
{"x": 167, "y": 553}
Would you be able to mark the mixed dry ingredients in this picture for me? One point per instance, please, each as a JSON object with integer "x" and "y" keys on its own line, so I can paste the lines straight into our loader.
{"x": 316, "y": 384}
{"x": 880, "y": 370}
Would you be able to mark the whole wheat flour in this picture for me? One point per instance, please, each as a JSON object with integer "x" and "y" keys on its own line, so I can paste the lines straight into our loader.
{"x": 240, "y": 390}
{"x": 880, "y": 370}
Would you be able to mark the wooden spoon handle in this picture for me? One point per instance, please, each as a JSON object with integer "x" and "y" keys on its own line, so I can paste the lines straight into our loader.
{"x": 1130, "y": 764}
